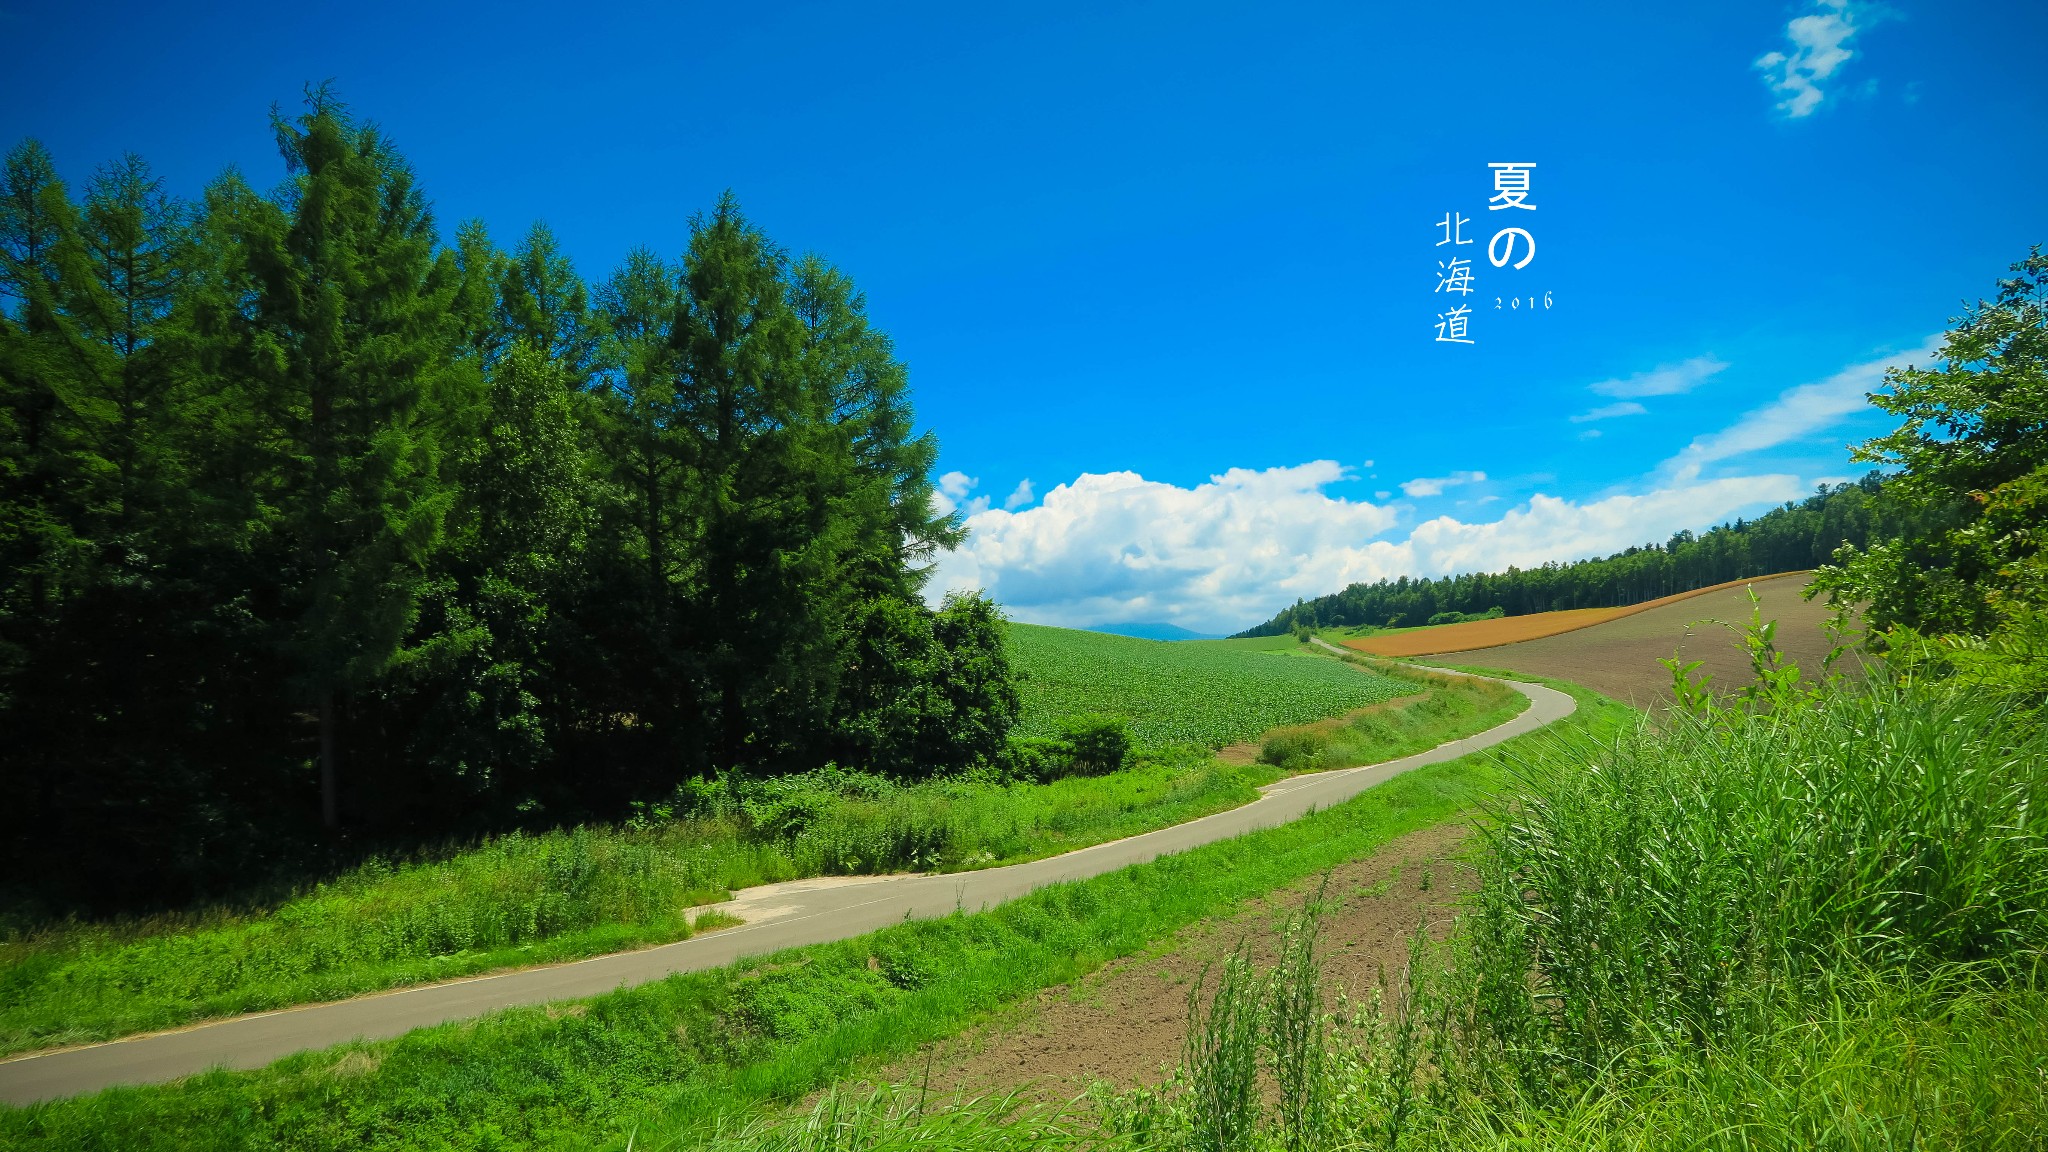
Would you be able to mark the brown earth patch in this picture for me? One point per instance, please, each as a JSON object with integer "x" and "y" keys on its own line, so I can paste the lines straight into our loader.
{"x": 1124, "y": 1023}
{"x": 1619, "y": 657}
{"x": 1477, "y": 634}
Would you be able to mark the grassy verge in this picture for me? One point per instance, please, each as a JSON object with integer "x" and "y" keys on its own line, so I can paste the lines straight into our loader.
{"x": 683, "y": 1052}
{"x": 533, "y": 899}
{"x": 1453, "y": 706}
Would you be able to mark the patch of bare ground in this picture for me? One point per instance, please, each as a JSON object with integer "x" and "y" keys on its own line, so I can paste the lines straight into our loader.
{"x": 1125, "y": 1022}
{"x": 1619, "y": 658}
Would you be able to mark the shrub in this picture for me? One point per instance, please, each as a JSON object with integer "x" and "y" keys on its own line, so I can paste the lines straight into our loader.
{"x": 1295, "y": 750}
{"x": 1101, "y": 744}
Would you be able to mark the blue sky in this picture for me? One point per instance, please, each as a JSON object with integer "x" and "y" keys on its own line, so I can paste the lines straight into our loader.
{"x": 1173, "y": 264}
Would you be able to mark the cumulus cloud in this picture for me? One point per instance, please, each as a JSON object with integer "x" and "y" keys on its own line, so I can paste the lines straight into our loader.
{"x": 1224, "y": 554}
{"x": 1609, "y": 411}
{"x": 1798, "y": 412}
{"x": 1663, "y": 380}
{"x": 1021, "y": 496}
{"x": 1423, "y": 486}
{"x": 1819, "y": 47}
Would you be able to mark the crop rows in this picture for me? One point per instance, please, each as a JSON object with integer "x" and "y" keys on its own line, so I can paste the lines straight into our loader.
{"x": 1184, "y": 691}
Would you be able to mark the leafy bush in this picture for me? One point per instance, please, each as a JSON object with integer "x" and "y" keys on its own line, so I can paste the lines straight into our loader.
{"x": 1101, "y": 744}
{"x": 1295, "y": 749}
{"x": 1493, "y": 613}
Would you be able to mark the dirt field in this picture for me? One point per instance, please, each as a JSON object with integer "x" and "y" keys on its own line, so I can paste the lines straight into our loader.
{"x": 1619, "y": 657}
{"x": 1477, "y": 634}
{"x": 1125, "y": 1022}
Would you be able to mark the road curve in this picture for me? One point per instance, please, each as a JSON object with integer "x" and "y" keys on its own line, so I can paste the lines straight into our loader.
{"x": 777, "y": 916}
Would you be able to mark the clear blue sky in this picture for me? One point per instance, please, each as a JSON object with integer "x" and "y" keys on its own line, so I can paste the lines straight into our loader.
{"x": 1179, "y": 239}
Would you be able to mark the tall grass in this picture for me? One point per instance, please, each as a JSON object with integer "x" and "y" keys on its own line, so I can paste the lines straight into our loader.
{"x": 1815, "y": 925}
{"x": 1885, "y": 828}
{"x": 1818, "y": 924}
{"x": 523, "y": 899}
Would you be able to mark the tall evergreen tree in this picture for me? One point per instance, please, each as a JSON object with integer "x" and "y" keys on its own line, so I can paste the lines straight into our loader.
{"x": 351, "y": 307}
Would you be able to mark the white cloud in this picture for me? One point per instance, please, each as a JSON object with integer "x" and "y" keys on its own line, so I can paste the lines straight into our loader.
{"x": 1796, "y": 413}
{"x": 952, "y": 495}
{"x": 1423, "y": 486}
{"x": 1609, "y": 411}
{"x": 1820, "y": 46}
{"x": 1663, "y": 380}
{"x": 1021, "y": 496}
{"x": 1227, "y": 553}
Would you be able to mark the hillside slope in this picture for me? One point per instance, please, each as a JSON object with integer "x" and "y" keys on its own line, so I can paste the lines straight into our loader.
{"x": 1619, "y": 657}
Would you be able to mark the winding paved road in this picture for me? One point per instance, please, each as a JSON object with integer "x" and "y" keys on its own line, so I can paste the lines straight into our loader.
{"x": 777, "y": 916}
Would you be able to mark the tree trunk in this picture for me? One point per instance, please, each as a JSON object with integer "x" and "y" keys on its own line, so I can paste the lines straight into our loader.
{"x": 330, "y": 771}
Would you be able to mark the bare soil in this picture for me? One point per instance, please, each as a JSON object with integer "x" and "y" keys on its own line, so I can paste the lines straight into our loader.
{"x": 1124, "y": 1023}
{"x": 1479, "y": 634}
{"x": 1619, "y": 657}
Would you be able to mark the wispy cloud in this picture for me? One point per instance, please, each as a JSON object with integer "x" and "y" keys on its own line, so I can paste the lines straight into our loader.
{"x": 1423, "y": 486}
{"x": 1610, "y": 411}
{"x": 1663, "y": 380}
{"x": 1021, "y": 496}
{"x": 1819, "y": 48}
{"x": 1798, "y": 412}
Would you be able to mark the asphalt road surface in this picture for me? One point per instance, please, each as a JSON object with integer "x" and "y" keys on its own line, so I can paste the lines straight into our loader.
{"x": 777, "y": 916}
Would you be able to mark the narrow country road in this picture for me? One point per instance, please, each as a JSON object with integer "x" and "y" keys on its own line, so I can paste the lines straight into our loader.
{"x": 777, "y": 916}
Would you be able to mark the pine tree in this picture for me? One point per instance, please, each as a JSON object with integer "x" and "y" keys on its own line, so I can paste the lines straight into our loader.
{"x": 350, "y": 313}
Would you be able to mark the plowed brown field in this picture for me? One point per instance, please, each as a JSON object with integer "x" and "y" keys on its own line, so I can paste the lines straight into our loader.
{"x": 1478, "y": 634}
{"x": 1127, "y": 1020}
{"x": 1619, "y": 656}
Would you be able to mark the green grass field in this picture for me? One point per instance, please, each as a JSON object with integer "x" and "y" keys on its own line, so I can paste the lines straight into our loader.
{"x": 1206, "y": 692}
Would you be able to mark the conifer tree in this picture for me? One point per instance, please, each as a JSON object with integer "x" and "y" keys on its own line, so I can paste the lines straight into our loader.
{"x": 350, "y": 307}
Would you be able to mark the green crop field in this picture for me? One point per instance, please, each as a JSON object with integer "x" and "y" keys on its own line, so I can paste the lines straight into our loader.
{"x": 1193, "y": 691}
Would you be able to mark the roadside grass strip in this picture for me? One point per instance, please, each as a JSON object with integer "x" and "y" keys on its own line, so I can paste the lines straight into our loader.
{"x": 697, "y": 1050}
{"x": 525, "y": 899}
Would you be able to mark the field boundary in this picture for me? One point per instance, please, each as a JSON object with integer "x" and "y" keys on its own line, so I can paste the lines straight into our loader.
{"x": 779, "y": 916}
{"x": 1473, "y": 635}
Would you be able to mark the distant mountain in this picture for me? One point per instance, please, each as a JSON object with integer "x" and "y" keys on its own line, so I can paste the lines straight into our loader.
{"x": 1152, "y": 630}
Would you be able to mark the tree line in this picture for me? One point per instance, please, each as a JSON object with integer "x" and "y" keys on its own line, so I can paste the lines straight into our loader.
{"x": 1795, "y": 536}
{"x": 317, "y": 530}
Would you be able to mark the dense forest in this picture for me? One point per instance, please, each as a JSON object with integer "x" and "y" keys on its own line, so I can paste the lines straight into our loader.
{"x": 1793, "y": 537}
{"x": 318, "y": 531}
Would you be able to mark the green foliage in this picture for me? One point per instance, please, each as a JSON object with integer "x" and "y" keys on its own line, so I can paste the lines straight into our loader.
{"x": 1188, "y": 691}
{"x": 1965, "y": 595}
{"x": 307, "y": 519}
{"x": 1100, "y": 744}
{"x": 1493, "y": 613}
{"x": 1974, "y": 438}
